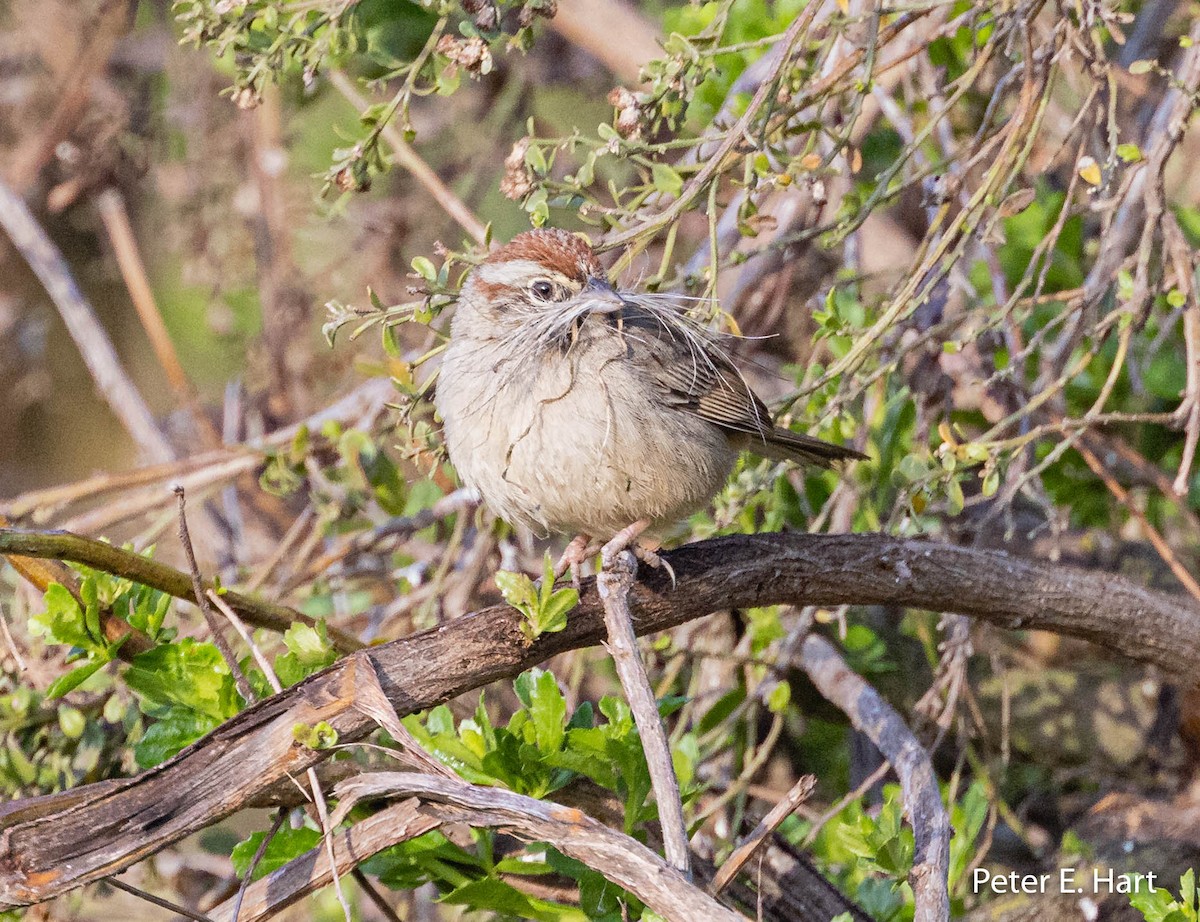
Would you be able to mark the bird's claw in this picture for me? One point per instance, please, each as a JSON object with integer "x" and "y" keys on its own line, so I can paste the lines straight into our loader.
{"x": 652, "y": 558}
{"x": 581, "y": 549}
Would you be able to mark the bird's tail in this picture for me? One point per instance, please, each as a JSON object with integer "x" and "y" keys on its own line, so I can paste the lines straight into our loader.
{"x": 784, "y": 445}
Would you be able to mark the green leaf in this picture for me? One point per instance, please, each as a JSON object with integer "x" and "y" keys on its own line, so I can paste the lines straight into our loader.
{"x": 188, "y": 673}
{"x": 779, "y": 698}
{"x": 494, "y": 895}
{"x": 309, "y": 651}
{"x": 1141, "y": 67}
{"x": 73, "y": 679}
{"x": 286, "y": 844}
{"x": 71, "y": 721}
{"x": 424, "y": 268}
{"x": 666, "y": 180}
{"x": 1130, "y": 153}
{"x": 548, "y": 709}
{"x": 175, "y": 729}
{"x": 63, "y": 621}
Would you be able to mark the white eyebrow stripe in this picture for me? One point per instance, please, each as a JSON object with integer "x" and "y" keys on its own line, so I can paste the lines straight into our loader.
{"x": 510, "y": 271}
{"x": 517, "y": 271}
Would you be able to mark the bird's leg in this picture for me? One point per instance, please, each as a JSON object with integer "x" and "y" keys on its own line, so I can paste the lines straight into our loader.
{"x": 581, "y": 549}
{"x": 627, "y": 539}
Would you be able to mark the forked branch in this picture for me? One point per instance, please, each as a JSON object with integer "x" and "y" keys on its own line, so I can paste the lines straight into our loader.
{"x": 49, "y": 845}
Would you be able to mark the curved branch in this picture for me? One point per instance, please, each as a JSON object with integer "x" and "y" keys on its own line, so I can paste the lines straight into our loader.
{"x": 886, "y": 729}
{"x": 62, "y": 545}
{"x": 49, "y": 845}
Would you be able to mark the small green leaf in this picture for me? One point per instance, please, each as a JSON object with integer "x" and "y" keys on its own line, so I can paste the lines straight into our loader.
{"x": 666, "y": 180}
{"x": 175, "y": 729}
{"x": 424, "y": 268}
{"x": 73, "y": 679}
{"x": 779, "y": 697}
{"x": 1141, "y": 67}
{"x": 548, "y": 709}
{"x": 1130, "y": 153}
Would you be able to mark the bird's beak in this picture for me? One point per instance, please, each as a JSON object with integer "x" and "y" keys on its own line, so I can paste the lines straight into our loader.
{"x": 603, "y": 298}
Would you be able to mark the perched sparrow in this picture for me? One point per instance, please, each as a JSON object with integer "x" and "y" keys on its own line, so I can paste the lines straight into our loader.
{"x": 575, "y": 408}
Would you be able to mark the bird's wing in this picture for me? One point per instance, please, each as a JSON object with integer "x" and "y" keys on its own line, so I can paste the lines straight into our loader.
{"x": 702, "y": 381}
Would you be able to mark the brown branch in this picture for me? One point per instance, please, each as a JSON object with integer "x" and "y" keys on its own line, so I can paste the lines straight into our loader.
{"x": 61, "y": 545}
{"x": 95, "y": 347}
{"x": 870, "y": 714}
{"x": 621, "y": 859}
{"x": 49, "y": 845}
{"x": 762, "y": 832}
{"x": 614, "y": 584}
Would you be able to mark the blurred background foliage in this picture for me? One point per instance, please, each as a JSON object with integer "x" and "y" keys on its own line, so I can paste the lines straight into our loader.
{"x": 960, "y": 237}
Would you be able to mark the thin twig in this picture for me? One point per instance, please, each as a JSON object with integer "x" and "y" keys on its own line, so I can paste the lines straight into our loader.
{"x": 1153, "y": 535}
{"x": 613, "y": 585}
{"x": 280, "y": 816}
{"x": 90, "y": 338}
{"x": 10, "y": 643}
{"x": 157, "y": 900}
{"x": 385, "y": 908}
{"x": 59, "y": 546}
{"x": 113, "y": 213}
{"x": 210, "y": 617}
{"x": 787, "y": 805}
{"x": 408, "y": 158}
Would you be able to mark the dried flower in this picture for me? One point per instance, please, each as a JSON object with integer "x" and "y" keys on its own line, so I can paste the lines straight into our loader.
{"x": 629, "y": 113}
{"x": 517, "y": 181}
{"x": 472, "y": 54}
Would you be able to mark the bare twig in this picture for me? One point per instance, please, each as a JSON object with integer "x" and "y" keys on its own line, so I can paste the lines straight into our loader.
{"x": 10, "y": 643}
{"x": 202, "y": 602}
{"x": 620, "y": 858}
{"x": 613, "y": 585}
{"x": 157, "y": 900}
{"x": 787, "y": 805}
{"x": 408, "y": 158}
{"x": 57, "y": 546}
{"x": 373, "y": 894}
{"x": 90, "y": 338}
{"x": 869, "y": 713}
{"x": 113, "y": 213}
{"x": 1153, "y": 535}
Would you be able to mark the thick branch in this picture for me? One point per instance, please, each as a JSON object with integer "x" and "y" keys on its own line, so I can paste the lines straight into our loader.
{"x": 49, "y": 845}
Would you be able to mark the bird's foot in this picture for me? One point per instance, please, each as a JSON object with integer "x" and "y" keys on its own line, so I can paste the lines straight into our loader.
{"x": 627, "y": 540}
{"x": 581, "y": 549}
{"x": 649, "y": 556}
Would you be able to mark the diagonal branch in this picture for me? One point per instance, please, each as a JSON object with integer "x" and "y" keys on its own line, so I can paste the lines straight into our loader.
{"x": 49, "y": 845}
{"x": 886, "y": 729}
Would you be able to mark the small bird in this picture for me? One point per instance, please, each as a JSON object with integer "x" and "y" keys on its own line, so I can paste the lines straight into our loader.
{"x": 575, "y": 408}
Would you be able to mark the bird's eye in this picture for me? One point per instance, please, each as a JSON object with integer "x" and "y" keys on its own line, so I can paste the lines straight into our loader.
{"x": 543, "y": 289}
